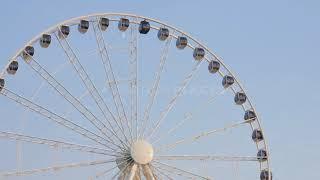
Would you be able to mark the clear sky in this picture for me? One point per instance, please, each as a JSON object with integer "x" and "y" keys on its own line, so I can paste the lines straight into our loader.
{"x": 273, "y": 46}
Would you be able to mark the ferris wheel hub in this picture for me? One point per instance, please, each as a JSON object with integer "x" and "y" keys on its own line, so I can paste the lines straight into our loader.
{"x": 141, "y": 152}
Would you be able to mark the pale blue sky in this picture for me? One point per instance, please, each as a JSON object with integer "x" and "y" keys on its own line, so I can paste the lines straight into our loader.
{"x": 273, "y": 46}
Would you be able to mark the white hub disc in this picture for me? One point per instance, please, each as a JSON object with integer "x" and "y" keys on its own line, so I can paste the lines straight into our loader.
{"x": 142, "y": 152}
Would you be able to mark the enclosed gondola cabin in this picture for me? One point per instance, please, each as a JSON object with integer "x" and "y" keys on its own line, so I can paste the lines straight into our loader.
{"x": 13, "y": 67}
{"x": 227, "y": 81}
{"x": 250, "y": 116}
{"x": 123, "y": 24}
{"x": 64, "y": 31}
{"x": 257, "y": 135}
{"x": 28, "y": 52}
{"x": 163, "y": 34}
{"x": 198, "y": 53}
{"x": 240, "y": 98}
{"x": 45, "y": 40}
{"x": 144, "y": 27}
{"x": 1, "y": 84}
{"x": 213, "y": 66}
{"x": 103, "y": 23}
{"x": 83, "y": 26}
{"x": 262, "y": 155}
{"x": 181, "y": 42}
{"x": 265, "y": 175}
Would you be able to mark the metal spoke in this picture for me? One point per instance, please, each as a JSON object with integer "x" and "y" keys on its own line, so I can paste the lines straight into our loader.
{"x": 86, "y": 93}
{"x": 133, "y": 171}
{"x": 109, "y": 170}
{"x": 110, "y": 75}
{"x": 58, "y": 119}
{"x": 81, "y": 97}
{"x": 182, "y": 171}
{"x": 33, "y": 96}
{"x": 155, "y": 86}
{"x": 133, "y": 68}
{"x": 138, "y": 175}
{"x": 55, "y": 143}
{"x": 236, "y": 170}
{"x": 206, "y": 158}
{"x": 73, "y": 59}
{"x": 67, "y": 95}
{"x": 170, "y": 171}
{"x": 189, "y": 116}
{"x": 179, "y": 124}
{"x": 147, "y": 172}
{"x": 103, "y": 173}
{"x": 201, "y": 135}
{"x": 162, "y": 173}
{"x": 172, "y": 102}
{"x": 122, "y": 172}
{"x": 55, "y": 168}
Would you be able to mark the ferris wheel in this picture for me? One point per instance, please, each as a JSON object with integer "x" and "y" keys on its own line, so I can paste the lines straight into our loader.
{"x": 122, "y": 96}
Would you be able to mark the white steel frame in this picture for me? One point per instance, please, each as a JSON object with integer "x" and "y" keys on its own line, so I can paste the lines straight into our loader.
{"x": 118, "y": 135}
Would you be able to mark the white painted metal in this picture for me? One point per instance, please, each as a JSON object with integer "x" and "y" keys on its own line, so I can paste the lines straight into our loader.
{"x": 188, "y": 116}
{"x": 147, "y": 172}
{"x": 155, "y": 87}
{"x": 181, "y": 171}
{"x": 74, "y": 21}
{"x": 134, "y": 100}
{"x": 133, "y": 171}
{"x": 198, "y": 136}
{"x": 207, "y": 157}
{"x": 58, "y": 119}
{"x": 69, "y": 97}
{"x": 55, "y": 168}
{"x": 56, "y": 144}
{"x": 110, "y": 76}
{"x": 172, "y": 102}
{"x": 73, "y": 59}
{"x": 133, "y": 68}
{"x": 141, "y": 152}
